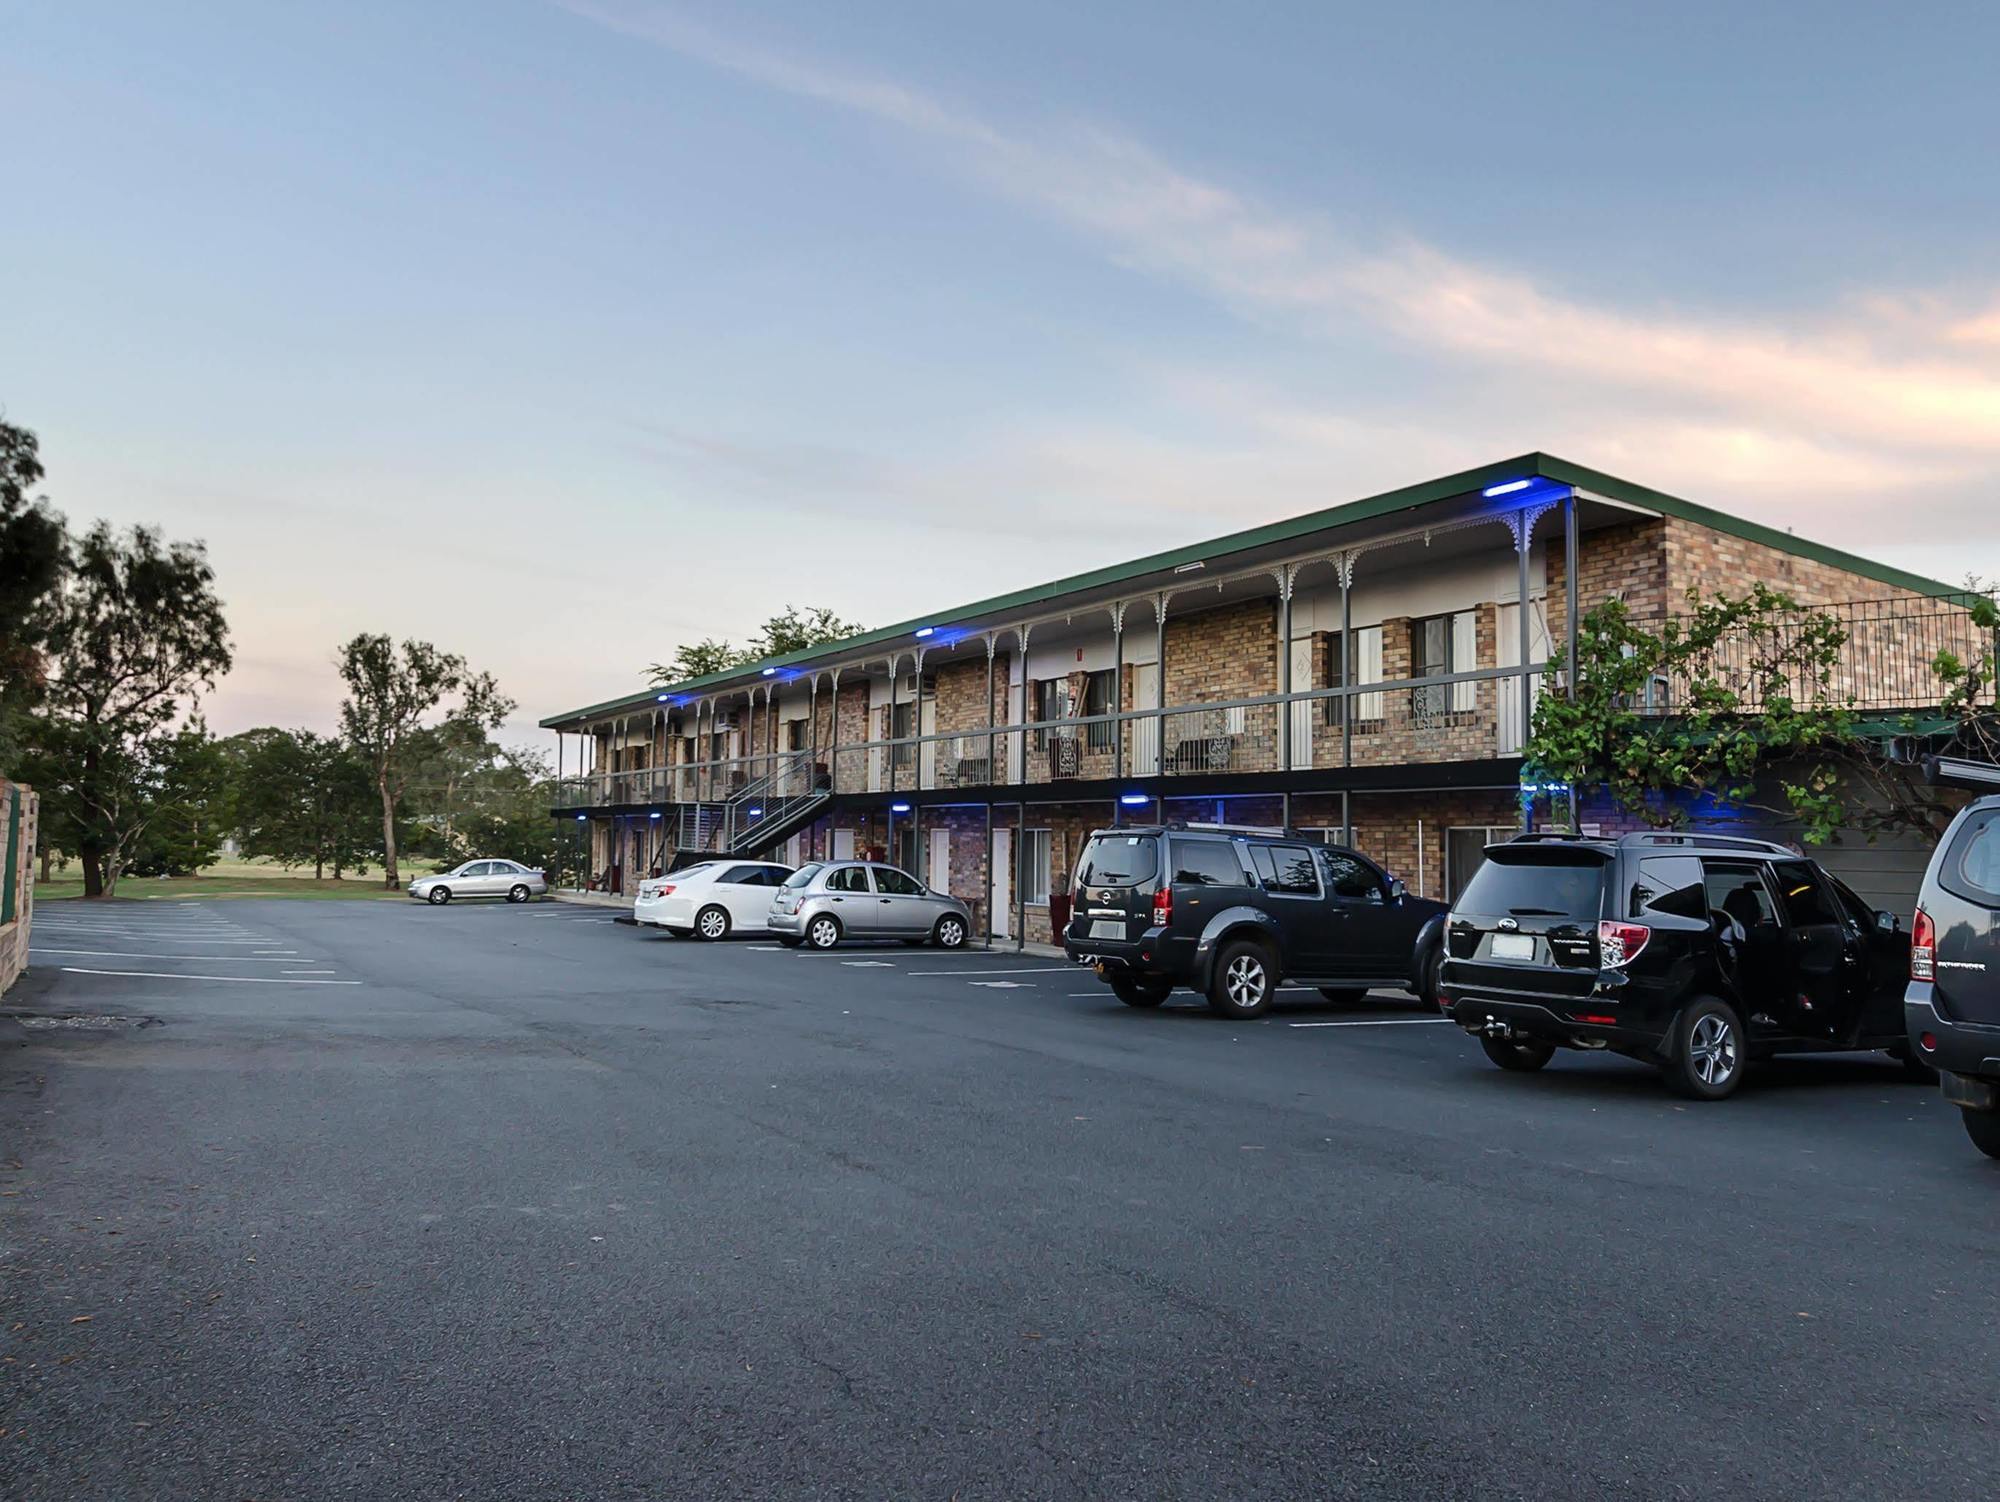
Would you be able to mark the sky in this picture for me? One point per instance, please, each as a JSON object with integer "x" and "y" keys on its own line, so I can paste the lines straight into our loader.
{"x": 559, "y": 332}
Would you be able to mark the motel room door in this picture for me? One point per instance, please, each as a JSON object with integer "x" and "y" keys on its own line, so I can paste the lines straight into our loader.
{"x": 1302, "y": 711}
{"x": 1143, "y": 736}
{"x": 1003, "y": 883}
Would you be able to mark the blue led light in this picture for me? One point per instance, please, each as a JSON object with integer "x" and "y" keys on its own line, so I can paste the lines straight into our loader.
{"x": 770, "y": 672}
{"x": 756, "y": 813}
{"x": 922, "y": 631}
{"x": 664, "y": 697}
{"x": 652, "y": 816}
{"x": 1506, "y": 489}
{"x": 581, "y": 817}
{"x": 1134, "y": 799}
{"x": 899, "y": 808}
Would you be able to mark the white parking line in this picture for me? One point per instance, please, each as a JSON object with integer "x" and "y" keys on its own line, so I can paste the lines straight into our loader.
{"x": 1377, "y": 1022}
{"x": 869, "y": 964}
{"x": 248, "y": 980}
{"x": 306, "y": 972}
{"x": 1006, "y": 985}
{"x": 1010, "y": 970}
{"x": 129, "y": 954}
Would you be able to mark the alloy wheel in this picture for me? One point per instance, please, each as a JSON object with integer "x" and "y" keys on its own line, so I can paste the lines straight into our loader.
{"x": 714, "y": 924}
{"x": 951, "y": 933}
{"x": 824, "y": 933}
{"x": 1245, "y": 980}
{"x": 1712, "y": 1049}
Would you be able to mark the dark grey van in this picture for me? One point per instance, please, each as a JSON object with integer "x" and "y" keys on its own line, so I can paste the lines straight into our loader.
{"x": 1952, "y": 1004}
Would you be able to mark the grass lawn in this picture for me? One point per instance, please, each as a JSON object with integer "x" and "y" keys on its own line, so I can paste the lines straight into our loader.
{"x": 231, "y": 877}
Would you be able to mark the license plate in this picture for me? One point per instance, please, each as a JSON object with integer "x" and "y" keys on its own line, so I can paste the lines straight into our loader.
{"x": 1513, "y": 947}
{"x": 1107, "y": 928}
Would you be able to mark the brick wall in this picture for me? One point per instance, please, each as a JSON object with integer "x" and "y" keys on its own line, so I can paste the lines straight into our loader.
{"x": 18, "y": 824}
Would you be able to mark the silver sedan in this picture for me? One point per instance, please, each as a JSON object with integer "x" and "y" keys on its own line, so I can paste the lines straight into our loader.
{"x": 822, "y": 904}
{"x": 485, "y": 878}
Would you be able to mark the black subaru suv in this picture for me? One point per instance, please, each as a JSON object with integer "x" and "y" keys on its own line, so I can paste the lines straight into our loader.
{"x": 1952, "y": 1006}
{"x": 1696, "y": 953}
{"x": 1231, "y": 914}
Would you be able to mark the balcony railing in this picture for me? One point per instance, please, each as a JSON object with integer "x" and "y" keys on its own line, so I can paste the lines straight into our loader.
{"x": 1455, "y": 716}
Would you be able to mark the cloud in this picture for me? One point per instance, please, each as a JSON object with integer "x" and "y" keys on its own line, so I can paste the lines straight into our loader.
{"x": 1924, "y": 380}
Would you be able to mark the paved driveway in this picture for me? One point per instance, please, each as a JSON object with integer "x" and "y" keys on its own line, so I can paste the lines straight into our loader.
{"x": 374, "y": 1200}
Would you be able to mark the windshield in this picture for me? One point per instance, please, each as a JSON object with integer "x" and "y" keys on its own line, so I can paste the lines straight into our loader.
{"x": 1552, "y": 884}
{"x": 802, "y": 877}
{"x": 1118, "y": 860}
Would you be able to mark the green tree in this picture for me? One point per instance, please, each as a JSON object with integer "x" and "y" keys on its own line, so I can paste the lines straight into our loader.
{"x": 303, "y": 800}
{"x": 387, "y": 716}
{"x": 1752, "y": 717}
{"x": 34, "y": 553}
{"x": 136, "y": 635}
{"x": 186, "y": 791}
{"x": 790, "y": 630}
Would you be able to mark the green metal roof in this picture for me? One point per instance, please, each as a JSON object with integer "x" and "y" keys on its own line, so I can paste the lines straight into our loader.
{"x": 1544, "y": 466}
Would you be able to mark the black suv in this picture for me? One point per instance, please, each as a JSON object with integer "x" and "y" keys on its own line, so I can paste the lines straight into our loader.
{"x": 1952, "y": 1006}
{"x": 1696, "y": 953}
{"x": 1231, "y": 914}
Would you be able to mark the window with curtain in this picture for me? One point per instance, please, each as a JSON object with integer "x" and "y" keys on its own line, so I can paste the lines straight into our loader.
{"x": 1100, "y": 698}
{"x": 1035, "y": 851}
{"x": 1441, "y": 644}
{"x": 903, "y": 722}
{"x": 1367, "y": 668}
{"x": 1051, "y": 703}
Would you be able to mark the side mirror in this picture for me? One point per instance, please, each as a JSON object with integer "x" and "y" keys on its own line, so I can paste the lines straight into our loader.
{"x": 1397, "y": 891}
{"x": 1887, "y": 921}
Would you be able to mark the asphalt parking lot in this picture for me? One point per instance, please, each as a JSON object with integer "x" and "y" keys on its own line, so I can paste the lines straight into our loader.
{"x": 379, "y": 1200}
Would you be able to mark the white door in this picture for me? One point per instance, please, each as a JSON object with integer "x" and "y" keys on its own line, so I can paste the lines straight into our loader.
{"x": 1514, "y": 721}
{"x": 843, "y": 844}
{"x": 927, "y": 750}
{"x": 1003, "y": 883}
{"x": 1143, "y": 736}
{"x": 1302, "y": 710}
{"x": 939, "y": 879}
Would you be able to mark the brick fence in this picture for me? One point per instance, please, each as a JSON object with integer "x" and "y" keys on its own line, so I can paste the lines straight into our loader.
{"x": 17, "y": 886}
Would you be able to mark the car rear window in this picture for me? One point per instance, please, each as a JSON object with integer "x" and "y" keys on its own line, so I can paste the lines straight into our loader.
{"x": 1544, "y": 884}
{"x": 1118, "y": 860}
{"x": 802, "y": 877}
{"x": 1971, "y": 867}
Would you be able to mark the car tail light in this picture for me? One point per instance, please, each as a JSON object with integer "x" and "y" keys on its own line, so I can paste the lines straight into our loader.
{"x": 1621, "y": 943}
{"x": 663, "y": 891}
{"x": 1923, "y": 947}
{"x": 1163, "y": 907}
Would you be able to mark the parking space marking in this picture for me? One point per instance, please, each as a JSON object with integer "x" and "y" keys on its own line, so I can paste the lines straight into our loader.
{"x": 868, "y": 964}
{"x": 1010, "y": 970}
{"x": 143, "y": 954}
{"x": 306, "y": 972}
{"x": 248, "y": 980}
{"x": 1378, "y": 1022}
{"x": 1006, "y": 985}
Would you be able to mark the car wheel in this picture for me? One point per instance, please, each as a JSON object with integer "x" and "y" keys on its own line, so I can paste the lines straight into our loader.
{"x": 1519, "y": 1058}
{"x": 518, "y": 892}
{"x": 439, "y": 896}
{"x": 1344, "y": 995}
{"x": 1433, "y": 973}
{"x": 950, "y": 932}
{"x": 1983, "y": 1127}
{"x": 823, "y": 932}
{"x": 790, "y": 941}
{"x": 712, "y": 923}
{"x": 1914, "y": 1069}
{"x": 1707, "y": 1054}
{"x": 1243, "y": 981}
{"x": 1141, "y": 993}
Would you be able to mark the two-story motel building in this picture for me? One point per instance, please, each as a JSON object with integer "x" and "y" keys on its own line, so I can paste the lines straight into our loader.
{"x": 1367, "y": 671}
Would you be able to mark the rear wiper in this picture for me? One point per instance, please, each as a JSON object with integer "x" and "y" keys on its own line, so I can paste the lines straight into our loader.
{"x": 1538, "y": 912}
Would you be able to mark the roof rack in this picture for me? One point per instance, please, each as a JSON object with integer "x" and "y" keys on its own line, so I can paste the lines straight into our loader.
{"x": 1961, "y": 771}
{"x": 1550, "y": 837}
{"x": 1733, "y": 841}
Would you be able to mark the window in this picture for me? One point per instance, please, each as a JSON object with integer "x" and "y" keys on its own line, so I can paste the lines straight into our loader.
{"x": 1972, "y": 867}
{"x": 795, "y": 735}
{"x": 1806, "y": 898}
{"x": 897, "y": 883}
{"x": 1537, "y": 881}
{"x": 1035, "y": 849}
{"x": 1737, "y": 889}
{"x": 802, "y": 877}
{"x": 1286, "y": 868}
{"x": 1118, "y": 860}
{"x": 743, "y": 876}
{"x": 1366, "y": 650}
{"x": 1670, "y": 884}
{"x": 1350, "y": 877}
{"x": 1442, "y": 644}
{"x": 687, "y": 750}
{"x": 1099, "y": 698}
{"x": 1207, "y": 863}
{"x": 903, "y": 722}
{"x": 848, "y": 879}
{"x": 1051, "y": 703}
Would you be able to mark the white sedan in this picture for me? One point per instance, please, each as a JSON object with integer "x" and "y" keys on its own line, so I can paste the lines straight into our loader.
{"x": 711, "y": 900}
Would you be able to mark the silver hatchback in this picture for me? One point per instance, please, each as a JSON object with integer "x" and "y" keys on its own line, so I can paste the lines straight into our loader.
{"x": 508, "y": 879}
{"x": 822, "y": 904}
